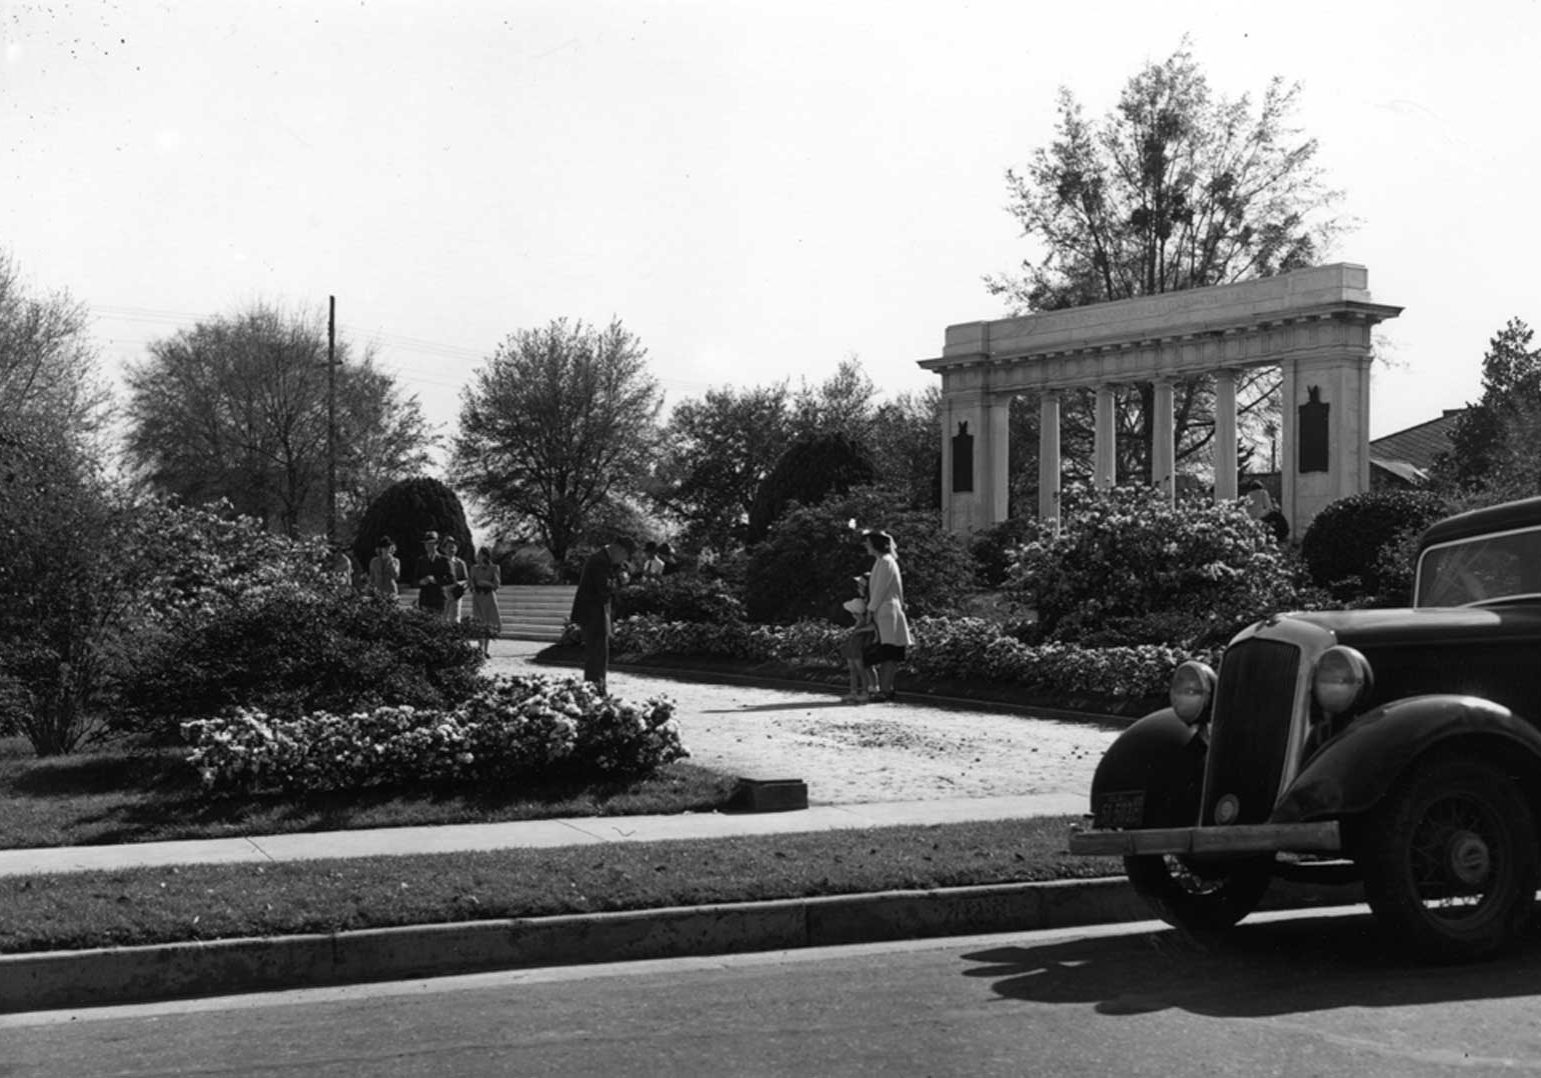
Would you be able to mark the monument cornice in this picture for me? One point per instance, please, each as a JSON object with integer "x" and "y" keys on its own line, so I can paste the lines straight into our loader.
{"x": 1170, "y": 322}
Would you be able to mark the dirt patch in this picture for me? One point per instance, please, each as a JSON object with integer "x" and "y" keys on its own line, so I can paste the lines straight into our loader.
{"x": 864, "y": 752}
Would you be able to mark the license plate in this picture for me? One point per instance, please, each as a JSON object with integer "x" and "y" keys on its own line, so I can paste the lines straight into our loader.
{"x": 1121, "y": 810}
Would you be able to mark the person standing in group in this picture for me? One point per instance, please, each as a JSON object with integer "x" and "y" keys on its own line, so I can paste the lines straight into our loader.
{"x": 593, "y": 604}
{"x": 666, "y": 559}
{"x": 885, "y": 599}
{"x": 432, "y": 575}
{"x": 486, "y": 579}
{"x": 384, "y": 568}
{"x": 856, "y": 644}
{"x": 652, "y": 564}
{"x": 1259, "y": 502}
{"x": 455, "y": 584}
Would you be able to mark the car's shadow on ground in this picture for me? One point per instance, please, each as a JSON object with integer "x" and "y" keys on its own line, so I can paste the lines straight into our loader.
{"x": 1260, "y": 969}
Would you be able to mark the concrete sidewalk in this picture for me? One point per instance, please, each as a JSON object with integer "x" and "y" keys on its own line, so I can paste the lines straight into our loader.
{"x": 575, "y": 831}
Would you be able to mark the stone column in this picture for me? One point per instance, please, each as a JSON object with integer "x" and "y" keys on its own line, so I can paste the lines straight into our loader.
{"x": 998, "y": 470}
{"x": 1048, "y": 456}
{"x": 1163, "y": 447}
{"x": 1105, "y": 440}
{"x": 974, "y": 488}
{"x": 1225, "y": 436}
{"x": 1329, "y": 385}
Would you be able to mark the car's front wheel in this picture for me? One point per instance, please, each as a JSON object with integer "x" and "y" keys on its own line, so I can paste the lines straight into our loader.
{"x": 1199, "y": 895}
{"x": 1449, "y": 860}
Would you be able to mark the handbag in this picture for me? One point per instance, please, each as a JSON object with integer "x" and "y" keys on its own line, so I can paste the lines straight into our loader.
{"x": 457, "y": 591}
{"x": 872, "y": 654}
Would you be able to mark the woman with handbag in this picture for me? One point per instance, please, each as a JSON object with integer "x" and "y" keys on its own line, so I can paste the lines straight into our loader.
{"x": 486, "y": 579}
{"x": 885, "y": 598}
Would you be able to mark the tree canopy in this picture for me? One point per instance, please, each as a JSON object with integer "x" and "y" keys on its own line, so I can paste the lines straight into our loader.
{"x": 1176, "y": 188}
{"x": 812, "y": 469}
{"x": 48, "y": 363}
{"x": 1493, "y": 443}
{"x": 236, "y": 408}
{"x": 719, "y": 449}
{"x": 560, "y": 420}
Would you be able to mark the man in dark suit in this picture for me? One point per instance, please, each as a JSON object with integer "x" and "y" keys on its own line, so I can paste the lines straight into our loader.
{"x": 592, "y": 604}
{"x": 432, "y": 573}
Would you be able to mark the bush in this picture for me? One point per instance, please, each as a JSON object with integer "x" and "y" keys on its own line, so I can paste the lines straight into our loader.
{"x": 404, "y": 511}
{"x": 512, "y": 729}
{"x": 1129, "y": 567}
{"x": 1346, "y": 546}
{"x": 681, "y": 597}
{"x": 805, "y": 567}
{"x": 287, "y": 649}
{"x": 946, "y": 649}
{"x": 992, "y": 547}
{"x": 528, "y": 565}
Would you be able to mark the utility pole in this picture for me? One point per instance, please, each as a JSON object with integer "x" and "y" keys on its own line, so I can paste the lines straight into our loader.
{"x": 331, "y": 420}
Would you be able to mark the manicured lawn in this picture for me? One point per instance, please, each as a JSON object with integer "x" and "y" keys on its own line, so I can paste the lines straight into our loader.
{"x": 141, "y": 794}
{"x": 160, "y": 905}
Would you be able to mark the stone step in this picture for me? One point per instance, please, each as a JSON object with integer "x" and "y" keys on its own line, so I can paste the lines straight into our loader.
{"x": 529, "y": 612}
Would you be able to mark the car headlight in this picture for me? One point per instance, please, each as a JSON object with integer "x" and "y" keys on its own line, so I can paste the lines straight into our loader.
{"x": 1193, "y": 684}
{"x": 1342, "y": 679}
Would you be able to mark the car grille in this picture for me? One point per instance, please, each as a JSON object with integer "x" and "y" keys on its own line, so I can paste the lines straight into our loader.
{"x": 1250, "y": 729}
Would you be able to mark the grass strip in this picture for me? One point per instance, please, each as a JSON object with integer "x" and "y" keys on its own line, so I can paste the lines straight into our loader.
{"x": 139, "y": 794}
{"x": 205, "y": 902}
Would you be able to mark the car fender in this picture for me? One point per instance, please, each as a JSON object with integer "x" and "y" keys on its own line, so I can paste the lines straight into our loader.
{"x": 1356, "y": 768}
{"x": 1161, "y": 756}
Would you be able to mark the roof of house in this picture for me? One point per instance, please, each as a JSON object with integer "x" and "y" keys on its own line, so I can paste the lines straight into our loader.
{"x": 1416, "y": 446}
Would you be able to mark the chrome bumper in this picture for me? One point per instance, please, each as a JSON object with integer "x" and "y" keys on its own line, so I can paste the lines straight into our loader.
{"x": 1322, "y": 837}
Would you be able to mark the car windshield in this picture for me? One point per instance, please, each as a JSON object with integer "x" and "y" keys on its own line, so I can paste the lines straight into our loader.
{"x": 1482, "y": 569}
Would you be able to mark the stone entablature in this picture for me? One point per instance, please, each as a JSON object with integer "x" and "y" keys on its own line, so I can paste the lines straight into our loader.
{"x": 1315, "y": 324}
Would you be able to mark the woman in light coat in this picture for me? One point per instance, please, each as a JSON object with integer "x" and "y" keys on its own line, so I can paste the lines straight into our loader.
{"x": 885, "y": 598}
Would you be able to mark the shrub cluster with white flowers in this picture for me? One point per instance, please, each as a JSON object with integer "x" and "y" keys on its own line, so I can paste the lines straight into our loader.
{"x": 512, "y": 729}
{"x": 957, "y": 649}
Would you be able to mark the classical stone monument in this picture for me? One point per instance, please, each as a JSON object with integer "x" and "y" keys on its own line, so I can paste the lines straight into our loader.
{"x": 1314, "y": 324}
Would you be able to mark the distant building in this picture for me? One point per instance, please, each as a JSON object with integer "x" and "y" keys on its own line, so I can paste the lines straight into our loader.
{"x": 1405, "y": 460}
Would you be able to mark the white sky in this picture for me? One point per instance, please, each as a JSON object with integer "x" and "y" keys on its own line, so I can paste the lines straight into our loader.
{"x": 757, "y": 188}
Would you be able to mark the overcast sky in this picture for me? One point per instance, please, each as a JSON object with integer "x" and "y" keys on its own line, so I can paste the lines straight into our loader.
{"x": 756, "y": 188}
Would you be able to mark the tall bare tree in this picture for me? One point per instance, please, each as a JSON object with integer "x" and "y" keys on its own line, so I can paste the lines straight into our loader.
{"x": 48, "y": 362}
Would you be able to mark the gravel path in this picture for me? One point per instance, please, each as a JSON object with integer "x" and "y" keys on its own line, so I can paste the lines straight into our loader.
{"x": 861, "y": 753}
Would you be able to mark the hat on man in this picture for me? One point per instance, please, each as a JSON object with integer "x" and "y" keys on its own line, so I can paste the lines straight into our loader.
{"x": 430, "y": 537}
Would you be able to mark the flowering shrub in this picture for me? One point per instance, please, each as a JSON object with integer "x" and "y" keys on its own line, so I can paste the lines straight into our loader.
{"x": 805, "y": 566}
{"x": 946, "y": 649}
{"x": 513, "y": 729}
{"x": 651, "y": 635}
{"x": 681, "y": 597}
{"x": 1127, "y": 566}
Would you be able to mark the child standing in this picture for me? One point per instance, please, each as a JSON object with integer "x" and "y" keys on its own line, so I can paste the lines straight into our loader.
{"x": 861, "y": 636}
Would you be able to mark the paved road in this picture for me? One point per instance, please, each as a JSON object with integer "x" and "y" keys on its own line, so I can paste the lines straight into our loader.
{"x": 862, "y": 753}
{"x": 1296, "y": 996}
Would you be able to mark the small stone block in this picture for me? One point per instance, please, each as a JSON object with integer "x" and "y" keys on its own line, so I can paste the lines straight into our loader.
{"x": 769, "y": 795}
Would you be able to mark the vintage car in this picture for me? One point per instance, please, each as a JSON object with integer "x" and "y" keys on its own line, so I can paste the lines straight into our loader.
{"x": 1399, "y": 747}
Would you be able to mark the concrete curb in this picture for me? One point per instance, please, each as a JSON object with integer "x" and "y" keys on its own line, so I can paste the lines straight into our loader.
{"x": 43, "y": 981}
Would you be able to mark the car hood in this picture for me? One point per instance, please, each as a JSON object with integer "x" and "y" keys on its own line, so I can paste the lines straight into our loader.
{"x": 1427, "y": 625}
